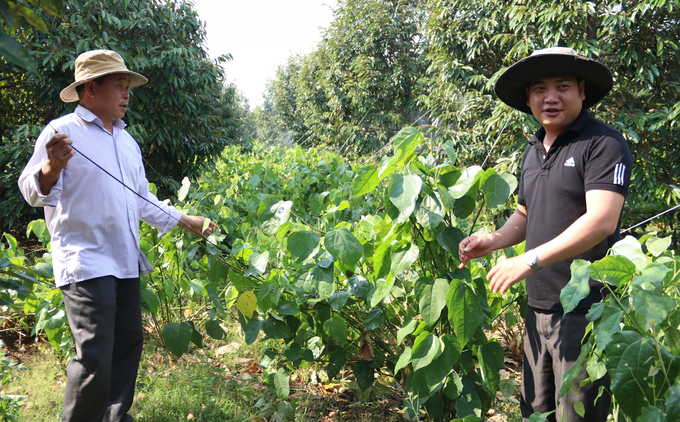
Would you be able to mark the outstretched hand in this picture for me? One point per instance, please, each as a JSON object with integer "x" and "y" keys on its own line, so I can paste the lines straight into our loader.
{"x": 196, "y": 223}
{"x": 503, "y": 275}
{"x": 507, "y": 273}
{"x": 473, "y": 247}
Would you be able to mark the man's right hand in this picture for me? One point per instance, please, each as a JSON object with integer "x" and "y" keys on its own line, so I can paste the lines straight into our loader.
{"x": 59, "y": 152}
{"x": 474, "y": 247}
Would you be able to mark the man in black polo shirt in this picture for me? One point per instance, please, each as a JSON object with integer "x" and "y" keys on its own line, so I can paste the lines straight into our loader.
{"x": 575, "y": 176}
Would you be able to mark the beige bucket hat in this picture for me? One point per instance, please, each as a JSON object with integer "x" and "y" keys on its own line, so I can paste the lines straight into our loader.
{"x": 511, "y": 85}
{"x": 93, "y": 64}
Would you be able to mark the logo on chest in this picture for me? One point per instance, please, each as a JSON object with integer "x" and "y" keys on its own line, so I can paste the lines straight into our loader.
{"x": 570, "y": 162}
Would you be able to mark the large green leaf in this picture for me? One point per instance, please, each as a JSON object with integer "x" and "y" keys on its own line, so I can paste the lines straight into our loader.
{"x": 651, "y": 307}
{"x": 344, "y": 247}
{"x": 257, "y": 263}
{"x": 275, "y": 328}
{"x": 282, "y": 384}
{"x": 431, "y": 297}
{"x": 437, "y": 372}
{"x": 673, "y": 402}
{"x": 214, "y": 330}
{"x": 656, "y": 246}
{"x": 449, "y": 238}
{"x": 466, "y": 182}
{"x": 365, "y": 181}
{"x": 465, "y": 312}
{"x": 374, "y": 320}
{"x": 252, "y": 330}
{"x": 430, "y": 212}
{"x": 336, "y": 328}
{"x": 496, "y": 190}
{"x": 14, "y": 52}
{"x": 403, "y": 193}
{"x": 613, "y": 269}
{"x": 382, "y": 259}
{"x": 302, "y": 244}
{"x": 446, "y": 198}
{"x": 323, "y": 280}
{"x": 338, "y": 300}
{"x": 640, "y": 370}
{"x": 464, "y": 206}
{"x": 382, "y": 289}
{"x": 364, "y": 373}
{"x": 177, "y": 337}
{"x": 336, "y": 360}
{"x": 491, "y": 359}
{"x": 448, "y": 147}
{"x": 288, "y": 307}
{"x": 426, "y": 348}
{"x": 652, "y": 414}
{"x": 578, "y": 287}
{"x": 408, "y": 328}
{"x": 359, "y": 287}
{"x": 403, "y": 255}
{"x": 631, "y": 249}
{"x": 150, "y": 301}
{"x": 31, "y": 17}
{"x": 53, "y": 7}
{"x": 404, "y": 144}
{"x": 403, "y": 360}
{"x": 184, "y": 190}
{"x": 608, "y": 325}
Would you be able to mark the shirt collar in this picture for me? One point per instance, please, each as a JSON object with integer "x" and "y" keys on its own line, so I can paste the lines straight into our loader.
{"x": 576, "y": 128}
{"x": 90, "y": 117}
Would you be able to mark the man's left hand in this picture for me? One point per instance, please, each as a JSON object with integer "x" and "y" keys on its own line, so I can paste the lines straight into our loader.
{"x": 507, "y": 273}
{"x": 194, "y": 223}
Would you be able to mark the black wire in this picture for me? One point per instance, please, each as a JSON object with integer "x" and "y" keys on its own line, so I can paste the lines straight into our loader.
{"x": 136, "y": 193}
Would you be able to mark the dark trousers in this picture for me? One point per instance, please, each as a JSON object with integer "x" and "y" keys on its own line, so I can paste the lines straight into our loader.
{"x": 552, "y": 343}
{"x": 106, "y": 320}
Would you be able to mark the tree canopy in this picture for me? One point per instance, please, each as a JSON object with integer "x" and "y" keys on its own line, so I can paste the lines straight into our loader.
{"x": 360, "y": 86}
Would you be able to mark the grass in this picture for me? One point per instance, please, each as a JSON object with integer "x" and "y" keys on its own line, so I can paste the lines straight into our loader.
{"x": 205, "y": 385}
{"x": 220, "y": 382}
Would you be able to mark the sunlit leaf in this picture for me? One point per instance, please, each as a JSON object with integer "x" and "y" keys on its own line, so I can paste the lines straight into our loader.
{"x": 365, "y": 181}
{"x": 431, "y": 296}
{"x": 344, "y": 247}
{"x": 578, "y": 287}
{"x": 247, "y": 304}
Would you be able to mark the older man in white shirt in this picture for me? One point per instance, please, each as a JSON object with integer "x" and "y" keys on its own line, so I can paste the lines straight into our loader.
{"x": 87, "y": 172}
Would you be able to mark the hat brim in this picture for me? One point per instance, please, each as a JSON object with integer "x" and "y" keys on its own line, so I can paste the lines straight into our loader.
{"x": 69, "y": 94}
{"x": 511, "y": 85}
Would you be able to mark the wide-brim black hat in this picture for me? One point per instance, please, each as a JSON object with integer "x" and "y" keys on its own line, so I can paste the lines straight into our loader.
{"x": 511, "y": 85}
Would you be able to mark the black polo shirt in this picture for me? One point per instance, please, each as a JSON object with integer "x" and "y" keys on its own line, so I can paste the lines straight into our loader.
{"x": 589, "y": 155}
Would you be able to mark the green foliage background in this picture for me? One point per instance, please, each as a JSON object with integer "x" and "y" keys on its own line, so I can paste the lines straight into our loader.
{"x": 352, "y": 263}
{"x": 434, "y": 65}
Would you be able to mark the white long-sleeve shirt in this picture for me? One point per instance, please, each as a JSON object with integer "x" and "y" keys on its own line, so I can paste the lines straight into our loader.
{"x": 93, "y": 219}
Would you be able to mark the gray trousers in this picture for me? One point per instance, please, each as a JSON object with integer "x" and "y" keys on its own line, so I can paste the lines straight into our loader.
{"x": 552, "y": 343}
{"x": 106, "y": 320}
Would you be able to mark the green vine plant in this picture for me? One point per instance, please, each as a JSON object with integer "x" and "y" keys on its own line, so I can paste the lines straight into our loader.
{"x": 634, "y": 333}
{"x": 353, "y": 270}
{"x": 360, "y": 272}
